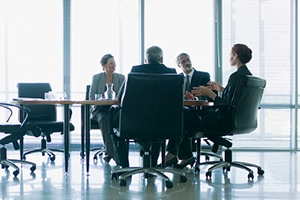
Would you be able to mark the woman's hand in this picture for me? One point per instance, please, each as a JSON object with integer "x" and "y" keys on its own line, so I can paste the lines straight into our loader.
{"x": 203, "y": 91}
{"x": 189, "y": 96}
{"x": 215, "y": 86}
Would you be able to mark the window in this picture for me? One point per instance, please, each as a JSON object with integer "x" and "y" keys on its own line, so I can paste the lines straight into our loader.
{"x": 31, "y": 39}
{"x": 186, "y": 26}
{"x": 266, "y": 27}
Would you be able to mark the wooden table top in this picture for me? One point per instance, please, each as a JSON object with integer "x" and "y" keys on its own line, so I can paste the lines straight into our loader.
{"x": 94, "y": 102}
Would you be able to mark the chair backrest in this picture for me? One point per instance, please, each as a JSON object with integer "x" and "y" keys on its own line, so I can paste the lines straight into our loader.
{"x": 245, "y": 104}
{"x": 152, "y": 107}
{"x": 87, "y": 92}
{"x": 94, "y": 124}
{"x": 38, "y": 112}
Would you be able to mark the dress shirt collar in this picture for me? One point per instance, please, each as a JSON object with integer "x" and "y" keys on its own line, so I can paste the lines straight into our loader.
{"x": 190, "y": 74}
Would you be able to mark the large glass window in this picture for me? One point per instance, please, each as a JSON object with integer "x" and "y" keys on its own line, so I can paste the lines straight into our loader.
{"x": 31, "y": 40}
{"x": 182, "y": 26}
{"x": 265, "y": 26}
{"x": 31, "y": 46}
{"x": 98, "y": 28}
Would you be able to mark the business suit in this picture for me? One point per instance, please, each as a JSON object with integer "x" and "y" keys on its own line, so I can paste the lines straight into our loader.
{"x": 100, "y": 113}
{"x": 209, "y": 119}
{"x": 185, "y": 145}
{"x": 154, "y": 68}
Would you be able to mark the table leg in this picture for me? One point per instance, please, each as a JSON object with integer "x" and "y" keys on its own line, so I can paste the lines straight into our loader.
{"x": 66, "y": 134}
{"x": 87, "y": 136}
{"x": 82, "y": 132}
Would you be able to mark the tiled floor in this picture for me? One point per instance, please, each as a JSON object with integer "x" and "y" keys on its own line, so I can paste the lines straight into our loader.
{"x": 50, "y": 182}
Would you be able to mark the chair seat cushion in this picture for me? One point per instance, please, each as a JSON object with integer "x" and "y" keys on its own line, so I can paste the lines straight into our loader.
{"x": 9, "y": 127}
{"x": 52, "y": 127}
{"x": 29, "y": 129}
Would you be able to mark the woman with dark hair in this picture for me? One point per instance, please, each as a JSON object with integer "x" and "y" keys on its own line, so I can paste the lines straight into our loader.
{"x": 240, "y": 55}
{"x": 98, "y": 86}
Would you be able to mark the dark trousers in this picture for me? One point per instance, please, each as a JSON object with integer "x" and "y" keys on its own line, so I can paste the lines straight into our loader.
{"x": 102, "y": 119}
{"x": 182, "y": 147}
{"x": 121, "y": 146}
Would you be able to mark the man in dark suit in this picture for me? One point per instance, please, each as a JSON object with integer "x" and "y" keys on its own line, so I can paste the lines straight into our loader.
{"x": 154, "y": 60}
{"x": 192, "y": 78}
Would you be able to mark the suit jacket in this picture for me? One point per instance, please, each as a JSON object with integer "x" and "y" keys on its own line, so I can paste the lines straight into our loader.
{"x": 231, "y": 85}
{"x": 220, "y": 117}
{"x": 199, "y": 78}
{"x": 153, "y": 68}
{"x": 98, "y": 86}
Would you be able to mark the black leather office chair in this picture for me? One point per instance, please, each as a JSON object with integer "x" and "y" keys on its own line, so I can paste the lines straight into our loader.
{"x": 151, "y": 110}
{"x": 94, "y": 126}
{"x": 243, "y": 120}
{"x": 44, "y": 116}
{"x": 15, "y": 132}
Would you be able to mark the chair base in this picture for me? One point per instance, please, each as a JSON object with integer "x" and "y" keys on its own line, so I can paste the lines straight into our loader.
{"x": 47, "y": 151}
{"x": 99, "y": 152}
{"x": 6, "y": 163}
{"x": 156, "y": 171}
{"x": 44, "y": 150}
{"x": 225, "y": 165}
{"x": 207, "y": 155}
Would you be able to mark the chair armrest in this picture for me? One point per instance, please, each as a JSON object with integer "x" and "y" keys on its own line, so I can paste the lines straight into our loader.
{"x": 8, "y": 105}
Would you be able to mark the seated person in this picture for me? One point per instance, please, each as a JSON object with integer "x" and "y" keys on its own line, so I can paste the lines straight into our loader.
{"x": 193, "y": 78}
{"x": 154, "y": 60}
{"x": 100, "y": 113}
{"x": 240, "y": 55}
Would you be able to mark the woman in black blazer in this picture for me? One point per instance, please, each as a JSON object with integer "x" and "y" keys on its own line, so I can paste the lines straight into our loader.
{"x": 240, "y": 55}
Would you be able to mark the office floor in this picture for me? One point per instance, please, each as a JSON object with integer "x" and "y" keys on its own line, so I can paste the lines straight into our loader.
{"x": 280, "y": 181}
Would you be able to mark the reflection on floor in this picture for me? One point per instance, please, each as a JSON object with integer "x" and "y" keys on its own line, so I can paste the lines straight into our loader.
{"x": 50, "y": 182}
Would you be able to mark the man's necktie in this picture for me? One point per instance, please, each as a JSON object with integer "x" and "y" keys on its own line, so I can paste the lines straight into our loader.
{"x": 187, "y": 83}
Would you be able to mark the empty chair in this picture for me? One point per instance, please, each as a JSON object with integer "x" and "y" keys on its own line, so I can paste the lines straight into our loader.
{"x": 44, "y": 116}
{"x": 151, "y": 110}
{"x": 15, "y": 132}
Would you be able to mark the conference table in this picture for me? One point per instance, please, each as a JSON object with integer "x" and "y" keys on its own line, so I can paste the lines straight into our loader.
{"x": 85, "y": 116}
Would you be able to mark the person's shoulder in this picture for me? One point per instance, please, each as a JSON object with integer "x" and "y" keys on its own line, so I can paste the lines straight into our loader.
{"x": 119, "y": 75}
{"x": 201, "y": 73}
{"x": 137, "y": 67}
{"x": 170, "y": 69}
{"x": 98, "y": 75}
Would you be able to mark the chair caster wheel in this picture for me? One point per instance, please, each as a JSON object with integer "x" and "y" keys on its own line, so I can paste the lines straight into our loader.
{"x": 114, "y": 176}
{"x": 197, "y": 170}
{"x": 226, "y": 169}
{"x": 260, "y": 172}
{"x": 95, "y": 158}
{"x": 207, "y": 158}
{"x": 122, "y": 182}
{"x": 208, "y": 175}
{"x": 82, "y": 155}
{"x": 250, "y": 176}
{"x": 33, "y": 168}
{"x": 183, "y": 179}
{"x": 15, "y": 173}
{"x": 52, "y": 158}
{"x": 169, "y": 184}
